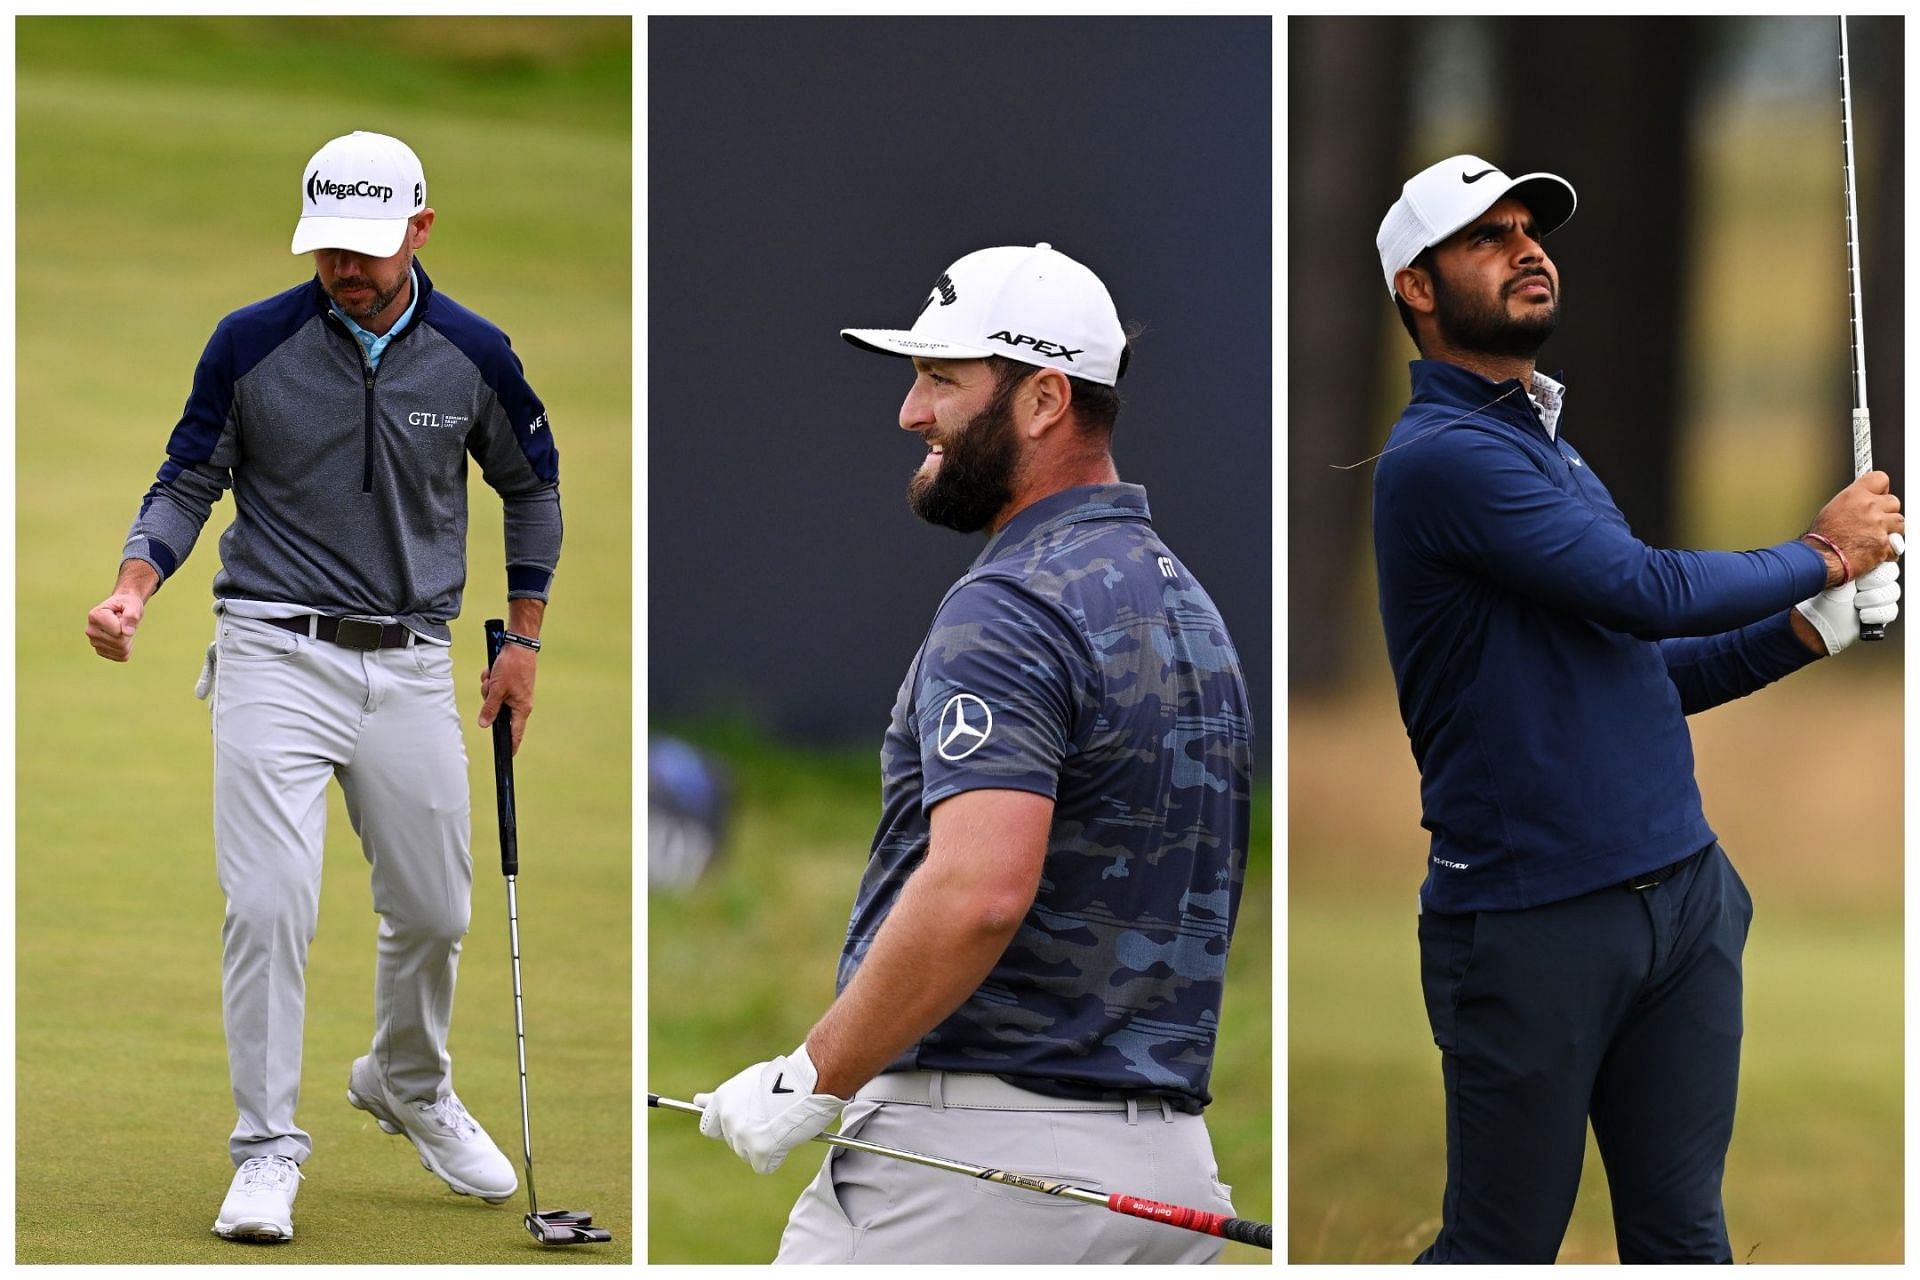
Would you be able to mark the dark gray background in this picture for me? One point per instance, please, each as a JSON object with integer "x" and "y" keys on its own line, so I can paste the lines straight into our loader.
{"x": 806, "y": 175}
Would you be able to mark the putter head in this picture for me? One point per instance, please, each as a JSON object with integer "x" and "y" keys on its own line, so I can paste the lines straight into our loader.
{"x": 565, "y": 1226}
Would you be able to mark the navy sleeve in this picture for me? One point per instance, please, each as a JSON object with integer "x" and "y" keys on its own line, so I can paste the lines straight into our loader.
{"x": 997, "y": 693}
{"x": 1710, "y": 670}
{"x": 1474, "y": 501}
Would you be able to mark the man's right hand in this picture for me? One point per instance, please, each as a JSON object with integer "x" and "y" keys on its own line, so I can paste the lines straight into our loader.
{"x": 112, "y": 622}
{"x": 1858, "y": 521}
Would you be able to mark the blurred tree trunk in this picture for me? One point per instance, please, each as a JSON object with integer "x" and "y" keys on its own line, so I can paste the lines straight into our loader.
{"x": 1346, "y": 137}
{"x": 1614, "y": 121}
{"x": 1878, "y": 67}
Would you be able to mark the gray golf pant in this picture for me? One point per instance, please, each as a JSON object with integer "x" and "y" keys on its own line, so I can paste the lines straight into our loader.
{"x": 290, "y": 713}
{"x": 867, "y": 1208}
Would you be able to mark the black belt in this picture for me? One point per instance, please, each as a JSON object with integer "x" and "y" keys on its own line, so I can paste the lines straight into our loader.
{"x": 348, "y": 633}
{"x": 1648, "y": 879}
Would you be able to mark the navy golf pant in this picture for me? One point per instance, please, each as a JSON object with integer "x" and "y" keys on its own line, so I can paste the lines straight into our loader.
{"x": 1621, "y": 1007}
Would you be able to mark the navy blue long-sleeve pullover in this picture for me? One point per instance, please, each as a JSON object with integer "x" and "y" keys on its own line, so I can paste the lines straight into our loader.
{"x": 1545, "y": 658}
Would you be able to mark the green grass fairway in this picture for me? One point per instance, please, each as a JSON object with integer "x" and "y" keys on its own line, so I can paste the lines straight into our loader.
{"x": 739, "y": 969}
{"x": 1815, "y": 1174}
{"x": 158, "y": 170}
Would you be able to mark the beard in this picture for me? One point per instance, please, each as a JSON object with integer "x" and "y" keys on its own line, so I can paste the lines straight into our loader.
{"x": 381, "y": 300}
{"x": 1473, "y": 324}
{"x": 974, "y": 481}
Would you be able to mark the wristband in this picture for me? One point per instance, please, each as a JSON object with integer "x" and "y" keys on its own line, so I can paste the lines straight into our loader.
{"x": 526, "y": 642}
{"x": 1846, "y": 570}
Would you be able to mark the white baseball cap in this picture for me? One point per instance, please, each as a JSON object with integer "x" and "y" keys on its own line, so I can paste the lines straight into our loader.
{"x": 357, "y": 193}
{"x": 1035, "y": 305}
{"x": 1438, "y": 201}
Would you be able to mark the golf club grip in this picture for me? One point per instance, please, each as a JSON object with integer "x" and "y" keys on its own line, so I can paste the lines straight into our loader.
{"x": 1863, "y": 463}
{"x": 1245, "y": 1230}
{"x": 503, "y": 761}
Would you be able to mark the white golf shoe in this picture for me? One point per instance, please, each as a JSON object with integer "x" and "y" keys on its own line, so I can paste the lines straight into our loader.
{"x": 451, "y": 1143}
{"x": 259, "y": 1204}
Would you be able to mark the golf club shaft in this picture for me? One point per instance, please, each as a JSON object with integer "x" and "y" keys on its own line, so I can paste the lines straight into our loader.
{"x": 510, "y": 867}
{"x": 520, "y": 1037}
{"x": 1862, "y": 445}
{"x": 1245, "y": 1230}
{"x": 1862, "y": 421}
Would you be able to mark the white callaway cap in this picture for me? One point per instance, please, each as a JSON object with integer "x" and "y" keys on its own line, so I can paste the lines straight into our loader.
{"x": 1438, "y": 201}
{"x": 357, "y": 193}
{"x": 1037, "y": 306}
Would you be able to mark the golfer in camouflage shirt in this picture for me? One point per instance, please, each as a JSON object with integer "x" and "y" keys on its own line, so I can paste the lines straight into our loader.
{"x": 1033, "y": 969}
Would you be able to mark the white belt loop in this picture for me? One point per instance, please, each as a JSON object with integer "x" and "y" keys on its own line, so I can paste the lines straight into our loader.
{"x": 934, "y": 1092}
{"x": 1133, "y": 1111}
{"x": 1166, "y": 1111}
{"x": 313, "y": 626}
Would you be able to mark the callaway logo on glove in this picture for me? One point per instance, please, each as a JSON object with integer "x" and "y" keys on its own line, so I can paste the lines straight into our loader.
{"x": 769, "y": 1109}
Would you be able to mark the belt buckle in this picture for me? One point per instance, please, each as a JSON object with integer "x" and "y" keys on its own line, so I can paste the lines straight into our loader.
{"x": 356, "y": 633}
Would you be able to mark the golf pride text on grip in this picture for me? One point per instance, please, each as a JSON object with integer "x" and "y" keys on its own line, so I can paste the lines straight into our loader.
{"x": 1244, "y": 1230}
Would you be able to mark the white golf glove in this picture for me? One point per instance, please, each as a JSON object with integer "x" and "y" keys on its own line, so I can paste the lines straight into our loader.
{"x": 768, "y": 1110}
{"x": 1837, "y": 612}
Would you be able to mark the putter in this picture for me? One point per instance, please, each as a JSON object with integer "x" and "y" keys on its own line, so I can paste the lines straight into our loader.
{"x": 1245, "y": 1230}
{"x": 555, "y": 1226}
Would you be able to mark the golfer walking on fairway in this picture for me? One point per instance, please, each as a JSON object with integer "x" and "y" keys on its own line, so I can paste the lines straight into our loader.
{"x": 342, "y": 414}
{"x": 1581, "y": 930}
{"x": 1032, "y": 972}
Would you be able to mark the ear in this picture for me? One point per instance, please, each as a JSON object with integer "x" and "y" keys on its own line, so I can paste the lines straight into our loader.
{"x": 419, "y": 227}
{"x": 1044, "y": 399}
{"x": 1415, "y": 288}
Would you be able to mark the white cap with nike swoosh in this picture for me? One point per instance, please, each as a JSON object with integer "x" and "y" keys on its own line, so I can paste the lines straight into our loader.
{"x": 1441, "y": 199}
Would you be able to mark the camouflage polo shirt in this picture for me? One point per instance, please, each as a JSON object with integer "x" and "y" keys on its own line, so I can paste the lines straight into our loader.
{"x": 1078, "y": 659}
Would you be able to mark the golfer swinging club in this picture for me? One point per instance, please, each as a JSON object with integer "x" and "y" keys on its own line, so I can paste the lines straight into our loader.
{"x": 1032, "y": 973}
{"x": 1581, "y": 929}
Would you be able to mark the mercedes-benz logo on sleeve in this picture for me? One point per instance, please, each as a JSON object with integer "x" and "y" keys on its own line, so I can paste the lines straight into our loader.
{"x": 965, "y": 723}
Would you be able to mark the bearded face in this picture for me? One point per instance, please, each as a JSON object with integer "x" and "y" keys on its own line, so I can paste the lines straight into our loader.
{"x": 968, "y": 477}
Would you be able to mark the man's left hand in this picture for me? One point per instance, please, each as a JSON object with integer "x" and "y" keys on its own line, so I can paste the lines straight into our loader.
{"x": 769, "y": 1109}
{"x": 509, "y": 680}
{"x": 1878, "y": 597}
{"x": 1837, "y": 612}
